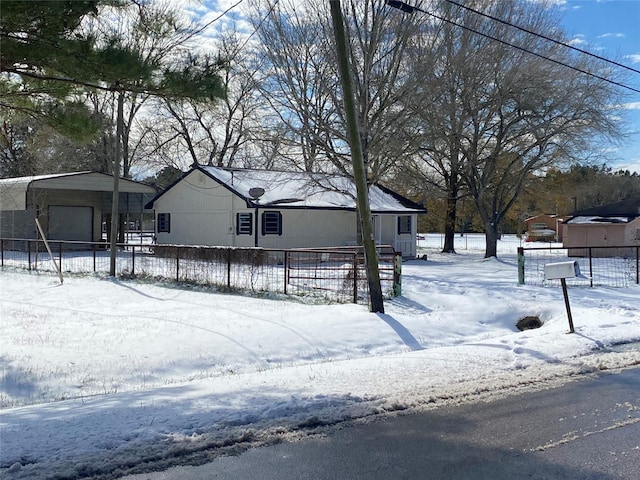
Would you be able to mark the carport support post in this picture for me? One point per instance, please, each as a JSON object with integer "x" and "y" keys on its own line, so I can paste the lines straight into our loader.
{"x": 566, "y": 302}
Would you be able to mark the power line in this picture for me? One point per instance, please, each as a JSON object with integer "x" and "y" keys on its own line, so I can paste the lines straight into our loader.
{"x": 211, "y": 22}
{"x": 262, "y": 20}
{"x": 409, "y": 9}
{"x": 557, "y": 42}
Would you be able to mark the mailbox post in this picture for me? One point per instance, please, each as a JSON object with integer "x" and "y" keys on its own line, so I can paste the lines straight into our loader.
{"x": 561, "y": 271}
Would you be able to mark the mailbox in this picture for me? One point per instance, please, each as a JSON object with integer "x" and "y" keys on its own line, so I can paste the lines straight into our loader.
{"x": 559, "y": 270}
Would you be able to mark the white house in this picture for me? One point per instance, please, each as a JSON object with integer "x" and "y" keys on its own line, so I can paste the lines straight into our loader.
{"x": 245, "y": 208}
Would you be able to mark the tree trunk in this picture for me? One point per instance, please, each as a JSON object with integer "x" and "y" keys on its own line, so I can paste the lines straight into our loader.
{"x": 450, "y": 223}
{"x": 491, "y": 238}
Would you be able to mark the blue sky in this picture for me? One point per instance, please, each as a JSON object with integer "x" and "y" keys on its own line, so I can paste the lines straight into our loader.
{"x": 611, "y": 29}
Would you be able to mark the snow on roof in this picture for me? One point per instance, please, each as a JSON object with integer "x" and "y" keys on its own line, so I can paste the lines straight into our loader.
{"x": 596, "y": 220}
{"x": 307, "y": 190}
{"x": 13, "y": 191}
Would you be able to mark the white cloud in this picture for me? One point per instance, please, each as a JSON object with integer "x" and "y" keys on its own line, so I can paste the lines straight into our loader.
{"x": 578, "y": 39}
{"x": 632, "y": 165}
{"x": 616, "y": 35}
{"x": 635, "y": 58}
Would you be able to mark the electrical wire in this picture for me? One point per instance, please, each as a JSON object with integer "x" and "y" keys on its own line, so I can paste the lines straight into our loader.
{"x": 260, "y": 24}
{"x": 531, "y": 32}
{"x": 409, "y": 9}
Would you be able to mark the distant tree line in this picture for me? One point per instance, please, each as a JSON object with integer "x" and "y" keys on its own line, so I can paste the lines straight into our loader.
{"x": 559, "y": 192}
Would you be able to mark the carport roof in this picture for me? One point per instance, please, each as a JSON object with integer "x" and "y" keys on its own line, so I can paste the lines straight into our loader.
{"x": 13, "y": 191}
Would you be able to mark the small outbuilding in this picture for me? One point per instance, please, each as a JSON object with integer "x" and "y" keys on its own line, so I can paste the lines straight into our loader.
{"x": 69, "y": 206}
{"x": 273, "y": 209}
{"x": 613, "y": 225}
{"x": 544, "y": 228}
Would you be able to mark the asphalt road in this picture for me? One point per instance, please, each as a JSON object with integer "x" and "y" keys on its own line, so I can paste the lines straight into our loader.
{"x": 588, "y": 429}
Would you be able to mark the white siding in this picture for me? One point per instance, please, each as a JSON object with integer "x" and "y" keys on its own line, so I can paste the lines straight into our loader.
{"x": 203, "y": 212}
{"x": 200, "y": 211}
{"x": 312, "y": 228}
{"x": 632, "y": 233}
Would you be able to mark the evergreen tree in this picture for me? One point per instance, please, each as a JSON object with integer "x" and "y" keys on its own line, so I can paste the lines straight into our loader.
{"x": 47, "y": 47}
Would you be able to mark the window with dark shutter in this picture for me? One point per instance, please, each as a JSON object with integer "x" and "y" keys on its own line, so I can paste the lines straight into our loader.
{"x": 404, "y": 225}
{"x": 271, "y": 223}
{"x": 244, "y": 224}
{"x": 164, "y": 222}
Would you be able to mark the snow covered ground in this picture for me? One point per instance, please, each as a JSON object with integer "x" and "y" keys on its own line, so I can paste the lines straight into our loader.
{"x": 99, "y": 374}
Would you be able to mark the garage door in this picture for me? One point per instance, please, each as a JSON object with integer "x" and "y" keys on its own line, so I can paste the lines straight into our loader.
{"x": 71, "y": 223}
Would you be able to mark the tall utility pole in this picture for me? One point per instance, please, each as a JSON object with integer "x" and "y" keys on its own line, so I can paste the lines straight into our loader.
{"x": 115, "y": 207}
{"x": 376, "y": 303}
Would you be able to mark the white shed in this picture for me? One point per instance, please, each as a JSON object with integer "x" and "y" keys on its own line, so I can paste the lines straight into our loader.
{"x": 244, "y": 208}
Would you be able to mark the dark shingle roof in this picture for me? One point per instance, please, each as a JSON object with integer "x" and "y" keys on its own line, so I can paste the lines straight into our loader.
{"x": 626, "y": 208}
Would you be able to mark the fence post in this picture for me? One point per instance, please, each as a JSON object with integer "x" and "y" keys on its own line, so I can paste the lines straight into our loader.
{"x": 29, "y": 254}
{"x": 177, "y": 264}
{"x": 229, "y": 268}
{"x": 397, "y": 274}
{"x": 2, "y": 252}
{"x": 637, "y": 265}
{"x": 93, "y": 245}
{"x": 355, "y": 277}
{"x": 286, "y": 270}
{"x": 590, "y": 268}
{"x": 133, "y": 259}
{"x": 520, "y": 266}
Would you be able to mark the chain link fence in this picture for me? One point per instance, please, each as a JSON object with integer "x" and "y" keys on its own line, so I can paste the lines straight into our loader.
{"x": 613, "y": 266}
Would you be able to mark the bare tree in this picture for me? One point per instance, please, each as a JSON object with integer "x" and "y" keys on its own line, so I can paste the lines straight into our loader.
{"x": 504, "y": 113}
{"x": 303, "y": 87}
{"x": 221, "y": 133}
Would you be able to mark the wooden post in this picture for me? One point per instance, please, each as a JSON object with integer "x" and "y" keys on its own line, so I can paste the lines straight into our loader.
{"x": 115, "y": 196}
{"x": 177, "y": 264}
{"x": 520, "y": 266}
{"x": 355, "y": 277}
{"x": 46, "y": 244}
{"x": 566, "y": 302}
{"x": 286, "y": 270}
{"x": 229, "y": 268}
{"x": 376, "y": 303}
{"x": 397, "y": 274}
